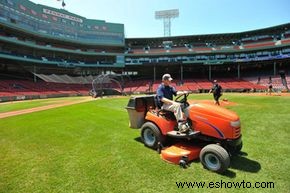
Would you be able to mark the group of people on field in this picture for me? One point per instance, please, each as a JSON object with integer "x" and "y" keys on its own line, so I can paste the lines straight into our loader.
{"x": 165, "y": 93}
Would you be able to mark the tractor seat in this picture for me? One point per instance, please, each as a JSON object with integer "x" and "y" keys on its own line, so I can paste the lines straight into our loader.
{"x": 167, "y": 114}
{"x": 163, "y": 112}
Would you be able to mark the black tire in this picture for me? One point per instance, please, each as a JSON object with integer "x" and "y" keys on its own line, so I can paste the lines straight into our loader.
{"x": 151, "y": 135}
{"x": 235, "y": 150}
{"x": 214, "y": 158}
{"x": 239, "y": 148}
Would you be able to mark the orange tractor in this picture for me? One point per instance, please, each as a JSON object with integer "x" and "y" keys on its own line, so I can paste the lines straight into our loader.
{"x": 214, "y": 136}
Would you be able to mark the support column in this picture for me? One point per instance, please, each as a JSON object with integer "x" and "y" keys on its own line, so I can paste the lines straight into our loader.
{"x": 154, "y": 73}
{"x": 274, "y": 69}
{"x": 181, "y": 73}
{"x": 34, "y": 71}
{"x": 239, "y": 69}
{"x": 209, "y": 72}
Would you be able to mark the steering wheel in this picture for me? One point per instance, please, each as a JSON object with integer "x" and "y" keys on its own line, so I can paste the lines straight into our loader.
{"x": 182, "y": 100}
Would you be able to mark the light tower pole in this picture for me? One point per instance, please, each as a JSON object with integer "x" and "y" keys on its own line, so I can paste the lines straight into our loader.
{"x": 167, "y": 15}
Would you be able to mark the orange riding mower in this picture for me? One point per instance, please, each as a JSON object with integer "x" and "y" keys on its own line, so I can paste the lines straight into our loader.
{"x": 213, "y": 137}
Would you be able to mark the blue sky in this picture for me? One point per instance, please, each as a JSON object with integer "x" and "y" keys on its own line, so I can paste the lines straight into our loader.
{"x": 195, "y": 16}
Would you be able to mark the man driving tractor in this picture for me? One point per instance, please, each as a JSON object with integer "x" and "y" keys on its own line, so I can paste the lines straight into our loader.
{"x": 165, "y": 94}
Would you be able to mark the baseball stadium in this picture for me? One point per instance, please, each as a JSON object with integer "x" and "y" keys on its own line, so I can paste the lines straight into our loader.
{"x": 69, "y": 92}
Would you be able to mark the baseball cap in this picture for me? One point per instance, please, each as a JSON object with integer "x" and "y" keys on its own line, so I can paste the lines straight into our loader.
{"x": 166, "y": 77}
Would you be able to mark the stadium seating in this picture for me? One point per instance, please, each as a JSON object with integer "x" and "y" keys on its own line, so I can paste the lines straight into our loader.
{"x": 285, "y": 41}
{"x": 265, "y": 81}
{"x": 259, "y": 45}
{"x": 204, "y": 49}
{"x": 195, "y": 85}
{"x": 179, "y": 50}
{"x": 40, "y": 41}
{"x": 28, "y": 88}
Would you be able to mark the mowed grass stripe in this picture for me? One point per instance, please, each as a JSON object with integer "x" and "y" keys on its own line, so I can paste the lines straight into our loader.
{"x": 20, "y": 105}
{"x": 89, "y": 147}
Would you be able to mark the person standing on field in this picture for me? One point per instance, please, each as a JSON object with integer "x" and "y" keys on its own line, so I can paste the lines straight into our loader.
{"x": 217, "y": 92}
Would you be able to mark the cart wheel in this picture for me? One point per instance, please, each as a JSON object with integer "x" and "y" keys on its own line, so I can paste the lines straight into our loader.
{"x": 214, "y": 158}
{"x": 151, "y": 135}
{"x": 182, "y": 164}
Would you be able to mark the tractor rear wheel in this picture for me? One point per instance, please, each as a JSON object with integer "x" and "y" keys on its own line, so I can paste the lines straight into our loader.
{"x": 215, "y": 158}
{"x": 151, "y": 135}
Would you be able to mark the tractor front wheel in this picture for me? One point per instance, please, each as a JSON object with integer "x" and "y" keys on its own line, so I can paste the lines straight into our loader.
{"x": 151, "y": 135}
{"x": 215, "y": 158}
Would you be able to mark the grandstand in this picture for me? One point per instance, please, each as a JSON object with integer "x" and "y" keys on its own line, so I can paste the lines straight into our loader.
{"x": 48, "y": 52}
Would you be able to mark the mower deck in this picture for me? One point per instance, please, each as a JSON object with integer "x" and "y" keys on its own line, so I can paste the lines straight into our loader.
{"x": 177, "y": 152}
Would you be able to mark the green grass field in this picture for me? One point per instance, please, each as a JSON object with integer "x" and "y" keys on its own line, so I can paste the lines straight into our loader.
{"x": 19, "y": 105}
{"x": 89, "y": 147}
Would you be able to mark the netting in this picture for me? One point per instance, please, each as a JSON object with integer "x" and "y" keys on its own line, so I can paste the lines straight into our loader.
{"x": 108, "y": 84}
{"x": 104, "y": 84}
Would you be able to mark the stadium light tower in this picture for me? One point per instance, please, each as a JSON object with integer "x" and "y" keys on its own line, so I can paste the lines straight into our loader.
{"x": 167, "y": 15}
